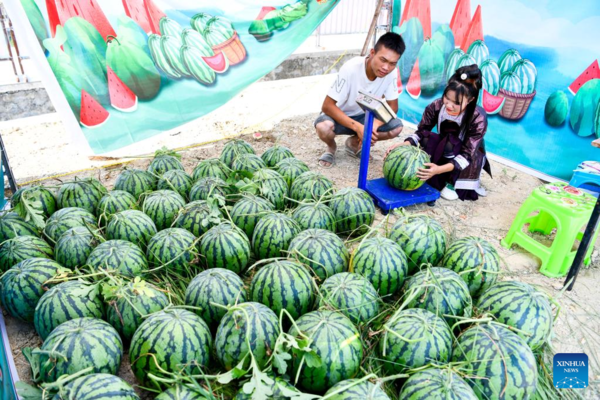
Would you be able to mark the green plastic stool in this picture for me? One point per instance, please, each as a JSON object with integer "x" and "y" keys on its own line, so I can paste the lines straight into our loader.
{"x": 561, "y": 207}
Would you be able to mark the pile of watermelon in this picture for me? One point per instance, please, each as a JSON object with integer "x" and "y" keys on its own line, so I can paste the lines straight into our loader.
{"x": 253, "y": 277}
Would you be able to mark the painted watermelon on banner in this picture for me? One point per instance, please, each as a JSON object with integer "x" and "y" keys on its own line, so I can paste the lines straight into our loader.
{"x": 490, "y": 103}
{"x": 591, "y": 72}
{"x": 465, "y": 61}
{"x": 145, "y": 13}
{"x": 413, "y": 86}
{"x": 322, "y": 251}
{"x": 92, "y": 114}
{"x": 527, "y": 73}
{"x": 557, "y": 109}
{"x": 479, "y": 51}
{"x": 583, "y": 109}
{"x": 60, "y": 11}
{"x": 452, "y": 62}
{"x": 412, "y": 33}
{"x": 121, "y": 97}
{"x": 98, "y": 387}
{"x": 436, "y": 383}
{"x": 21, "y": 248}
{"x": 475, "y": 31}
{"x": 491, "y": 75}
{"x": 461, "y": 20}
{"x": 420, "y": 9}
{"x": 431, "y": 68}
{"x": 510, "y": 82}
{"x": 443, "y": 38}
{"x": 508, "y": 60}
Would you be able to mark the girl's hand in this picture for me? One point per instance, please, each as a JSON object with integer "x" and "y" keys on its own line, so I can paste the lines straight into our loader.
{"x": 427, "y": 173}
{"x": 392, "y": 147}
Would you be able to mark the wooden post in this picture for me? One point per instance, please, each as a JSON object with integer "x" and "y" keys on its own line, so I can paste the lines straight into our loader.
{"x": 373, "y": 26}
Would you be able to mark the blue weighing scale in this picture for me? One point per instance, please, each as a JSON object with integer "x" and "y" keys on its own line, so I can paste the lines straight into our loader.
{"x": 386, "y": 197}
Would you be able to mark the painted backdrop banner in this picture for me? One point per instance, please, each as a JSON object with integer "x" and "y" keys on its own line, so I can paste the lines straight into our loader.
{"x": 131, "y": 69}
{"x": 541, "y": 77}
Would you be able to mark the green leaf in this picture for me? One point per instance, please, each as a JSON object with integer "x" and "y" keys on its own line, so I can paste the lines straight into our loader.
{"x": 280, "y": 362}
{"x": 237, "y": 372}
{"x": 33, "y": 359}
{"x": 164, "y": 151}
{"x": 31, "y": 210}
{"x": 312, "y": 359}
{"x": 28, "y": 392}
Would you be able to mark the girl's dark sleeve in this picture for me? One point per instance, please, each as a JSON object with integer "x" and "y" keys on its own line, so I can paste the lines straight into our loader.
{"x": 472, "y": 142}
{"x": 428, "y": 122}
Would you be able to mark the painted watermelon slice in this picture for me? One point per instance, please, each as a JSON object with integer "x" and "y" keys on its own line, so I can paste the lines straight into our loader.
{"x": 591, "y": 72}
{"x": 490, "y": 103}
{"x": 218, "y": 63}
{"x": 420, "y": 9}
{"x": 461, "y": 19}
{"x": 264, "y": 11}
{"x": 399, "y": 81}
{"x": 121, "y": 97}
{"x": 475, "y": 31}
{"x": 92, "y": 114}
{"x": 154, "y": 15}
{"x": 60, "y": 11}
{"x": 413, "y": 86}
{"x": 145, "y": 14}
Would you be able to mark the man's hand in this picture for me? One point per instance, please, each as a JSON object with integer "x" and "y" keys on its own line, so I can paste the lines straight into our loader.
{"x": 596, "y": 143}
{"x": 392, "y": 147}
{"x": 360, "y": 129}
{"x": 426, "y": 173}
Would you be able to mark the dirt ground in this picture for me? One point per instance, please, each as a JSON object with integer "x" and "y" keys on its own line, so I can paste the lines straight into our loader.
{"x": 578, "y": 324}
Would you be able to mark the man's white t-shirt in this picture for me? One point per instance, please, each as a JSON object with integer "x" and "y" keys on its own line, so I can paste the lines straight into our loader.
{"x": 352, "y": 78}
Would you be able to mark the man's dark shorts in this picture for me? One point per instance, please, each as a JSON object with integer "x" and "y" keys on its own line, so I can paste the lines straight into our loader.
{"x": 342, "y": 130}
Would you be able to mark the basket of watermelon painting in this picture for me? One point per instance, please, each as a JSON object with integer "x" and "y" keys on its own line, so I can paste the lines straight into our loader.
{"x": 222, "y": 37}
{"x": 517, "y": 86}
{"x": 515, "y": 105}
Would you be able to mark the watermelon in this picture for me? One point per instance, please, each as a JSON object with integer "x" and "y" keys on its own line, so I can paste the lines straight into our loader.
{"x": 13, "y": 225}
{"x": 197, "y": 217}
{"x": 510, "y": 82}
{"x": 322, "y": 251}
{"x": 74, "y": 246}
{"x": 354, "y": 389}
{"x": 172, "y": 49}
{"x": 527, "y": 73}
{"x": 479, "y": 51}
{"x": 131, "y": 225}
{"x": 280, "y": 389}
{"x": 352, "y": 295}
{"x": 519, "y": 305}
{"x": 113, "y": 202}
{"x": 246, "y": 327}
{"x": 412, "y": 33}
{"x": 475, "y": 31}
{"x": 92, "y": 114}
{"x": 466, "y": 60}
{"x": 436, "y": 383}
{"x": 311, "y": 186}
{"x": 597, "y": 121}
{"x": 247, "y": 162}
{"x": 82, "y": 193}
{"x": 163, "y": 163}
{"x": 196, "y": 66}
{"x": 160, "y": 58}
{"x": 21, "y": 248}
{"x": 273, "y": 155}
{"x": 213, "y": 287}
{"x": 591, "y": 72}
{"x": 508, "y": 60}
{"x": 382, "y": 262}
{"x": 283, "y": 285}
{"x": 209, "y": 187}
{"x": 162, "y": 207}
{"x": 422, "y": 238}
{"x": 211, "y": 168}
{"x": 499, "y": 364}
{"x": 135, "y": 181}
{"x": 443, "y": 38}
{"x": 180, "y": 392}
{"x": 431, "y": 68}
{"x": 290, "y": 169}
{"x": 64, "y": 302}
{"x": 126, "y": 310}
{"x": 413, "y": 338}
{"x": 490, "y": 103}
{"x": 476, "y": 261}
{"x": 172, "y": 249}
{"x": 248, "y": 211}
{"x": 170, "y": 340}
{"x": 78, "y": 344}
{"x": 583, "y": 109}
{"x": 315, "y": 216}
{"x": 169, "y": 27}
{"x": 118, "y": 255}
{"x": 452, "y": 63}
{"x": 418, "y": 9}
{"x": 336, "y": 341}
{"x": 461, "y": 19}
{"x": 233, "y": 148}
{"x": 225, "y": 246}
{"x": 401, "y": 165}
{"x": 354, "y": 211}
{"x": 121, "y": 97}
{"x": 22, "y": 286}
{"x": 33, "y": 194}
{"x": 177, "y": 181}
{"x": 557, "y": 108}
{"x": 98, "y": 387}
{"x": 273, "y": 234}
{"x": 271, "y": 186}
{"x": 490, "y": 73}
{"x": 413, "y": 86}
{"x": 65, "y": 219}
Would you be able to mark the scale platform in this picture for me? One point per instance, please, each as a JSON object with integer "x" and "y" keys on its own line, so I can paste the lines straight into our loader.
{"x": 387, "y": 198}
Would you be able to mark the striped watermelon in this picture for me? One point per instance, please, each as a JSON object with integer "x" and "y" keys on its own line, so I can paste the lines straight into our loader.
{"x": 479, "y": 51}
{"x": 521, "y": 306}
{"x": 113, "y": 202}
{"x": 13, "y": 225}
{"x": 336, "y": 341}
{"x": 401, "y": 165}
{"x": 283, "y": 285}
{"x": 135, "y": 181}
{"x": 435, "y": 383}
{"x": 273, "y": 155}
{"x": 21, "y": 248}
{"x": 65, "y": 219}
{"x": 354, "y": 211}
{"x": 175, "y": 337}
{"x": 234, "y": 148}
{"x": 22, "y": 286}
{"x": 527, "y": 73}
{"x": 209, "y": 187}
{"x": 413, "y": 338}
{"x": 74, "y": 247}
{"x": 225, "y": 246}
{"x": 452, "y": 62}
{"x": 271, "y": 186}
{"x": 97, "y": 387}
{"x": 422, "y": 238}
{"x": 118, "y": 255}
{"x": 273, "y": 234}
{"x": 131, "y": 303}
{"x": 162, "y": 206}
{"x": 440, "y": 291}
{"x": 164, "y": 163}
{"x": 211, "y": 168}
{"x": 490, "y": 73}
{"x": 476, "y": 261}
{"x": 352, "y": 295}
{"x": 280, "y": 389}
{"x": 499, "y": 362}
{"x": 248, "y": 211}
{"x": 176, "y": 180}
{"x": 246, "y": 323}
{"x": 382, "y": 262}
{"x": 180, "y": 392}
{"x": 322, "y": 251}
{"x": 34, "y": 194}
{"x": 197, "y": 217}
{"x": 78, "y": 344}
{"x": 131, "y": 225}
{"x": 248, "y": 163}
{"x": 64, "y": 302}
{"x": 83, "y": 193}
{"x": 508, "y": 60}
{"x": 290, "y": 169}
{"x": 173, "y": 248}
{"x": 510, "y": 82}
{"x": 466, "y": 60}
{"x": 311, "y": 186}
{"x": 218, "y": 286}
{"x": 315, "y": 216}
{"x": 353, "y": 389}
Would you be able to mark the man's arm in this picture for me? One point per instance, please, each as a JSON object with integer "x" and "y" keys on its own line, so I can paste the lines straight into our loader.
{"x": 596, "y": 143}
{"x": 330, "y": 108}
{"x": 393, "y": 105}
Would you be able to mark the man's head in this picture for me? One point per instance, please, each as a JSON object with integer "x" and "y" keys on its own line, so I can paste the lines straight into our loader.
{"x": 384, "y": 57}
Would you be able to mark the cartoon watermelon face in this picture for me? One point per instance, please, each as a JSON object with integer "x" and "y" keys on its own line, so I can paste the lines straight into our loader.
{"x": 92, "y": 114}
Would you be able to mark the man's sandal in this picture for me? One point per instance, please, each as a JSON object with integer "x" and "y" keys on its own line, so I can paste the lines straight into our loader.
{"x": 327, "y": 157}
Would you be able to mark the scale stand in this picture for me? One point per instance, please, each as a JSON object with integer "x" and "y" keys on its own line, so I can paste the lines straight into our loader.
{"x": 386, "y": 197}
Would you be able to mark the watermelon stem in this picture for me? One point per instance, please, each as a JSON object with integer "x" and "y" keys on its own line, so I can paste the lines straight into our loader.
{"x": 63, "y": 380}
{"x": 110, "y": 38}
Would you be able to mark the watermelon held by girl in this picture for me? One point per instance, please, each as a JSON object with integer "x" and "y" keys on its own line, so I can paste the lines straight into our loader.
{"x": 121, "y": 97}
{"x": 92, "y": 114}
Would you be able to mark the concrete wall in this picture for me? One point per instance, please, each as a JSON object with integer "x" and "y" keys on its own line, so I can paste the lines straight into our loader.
{"x": 310, "y": 64}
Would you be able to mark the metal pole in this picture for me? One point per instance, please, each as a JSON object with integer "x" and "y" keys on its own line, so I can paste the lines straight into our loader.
{"x": 4, "y": 27}
{"x": 14, "y": 40}
{"x": 372, "y": 27}
{"x": 365, "y": 152}
{"x": 7, "y": 170}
